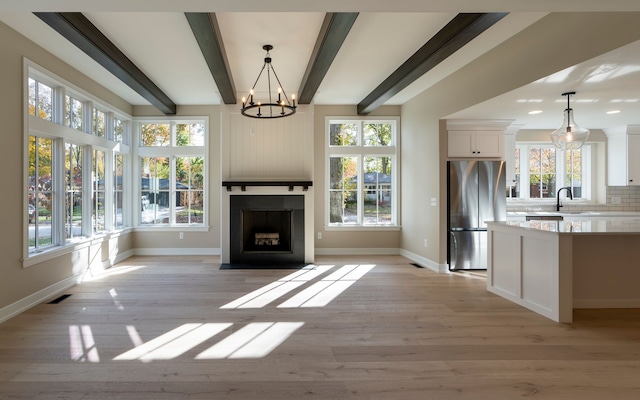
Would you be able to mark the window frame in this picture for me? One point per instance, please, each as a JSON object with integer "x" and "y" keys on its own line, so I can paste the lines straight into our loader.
{"x": 360, "y": 152}
{"x": 172, "y": 151}
{"x": 60, "y": 134}
{"x": 588, "y": 177}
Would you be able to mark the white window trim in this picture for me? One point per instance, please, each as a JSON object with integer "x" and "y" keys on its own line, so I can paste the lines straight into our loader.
{"x": 588, "y": 184}
{"x": 359, "y": 151}
{"x": 170, "y": 151}
{"x": 59, "y": 133}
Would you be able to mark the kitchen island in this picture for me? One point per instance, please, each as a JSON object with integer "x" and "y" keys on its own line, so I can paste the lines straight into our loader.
{"x": 552, "y": 267}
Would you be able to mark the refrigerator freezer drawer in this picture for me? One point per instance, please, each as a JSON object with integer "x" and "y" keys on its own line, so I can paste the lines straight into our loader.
{"x": 467, "y": 250}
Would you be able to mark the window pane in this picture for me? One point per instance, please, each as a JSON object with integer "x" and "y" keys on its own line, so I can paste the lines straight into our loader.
{"x": 377, "y": 190}
{"x": 32, "y": 97}
{"x": 343, "y": 134}
{"x": 40, "y": 100}
{"x": 515, "y": 189}
{"x": 189, "y": 185}
{"x": 154, "y": 135}
{"x": 189, "y": 134}
{"x": 40, "y": 193}
{"x": 154, "y": 184}
{"x": 73, "y": 113}
{"x": 542, "y": 172}
{"x": 343, "y": 192}
{"x": 44, "y": 101}
{"x": 99, "y": 123}
{"x": 377, "y": 134}
{"x": 118, "y": 192}
{"x": 573, "y": 176}
{"x": 98, "y": 211}
{"x": 73, "y": 190}
{"x": 548, "y": 177}
{"x": 118, "y": 130}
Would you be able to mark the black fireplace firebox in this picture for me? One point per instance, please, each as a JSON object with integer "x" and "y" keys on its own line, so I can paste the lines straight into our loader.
{"x": 266, "y": 229}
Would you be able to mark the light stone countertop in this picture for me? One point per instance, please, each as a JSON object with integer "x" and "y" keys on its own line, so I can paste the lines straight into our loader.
{"x": 612, "y": 225}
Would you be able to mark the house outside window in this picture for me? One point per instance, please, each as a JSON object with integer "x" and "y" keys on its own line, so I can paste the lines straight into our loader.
{"x": 172, "y": 172}
{"x": 362, "y": 172}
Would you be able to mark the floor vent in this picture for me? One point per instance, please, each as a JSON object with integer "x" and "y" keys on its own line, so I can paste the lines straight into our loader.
{"x": 59, "y": 299}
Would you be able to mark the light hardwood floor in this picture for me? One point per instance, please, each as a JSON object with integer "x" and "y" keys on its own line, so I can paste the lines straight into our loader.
{"x": 180, "y": 328}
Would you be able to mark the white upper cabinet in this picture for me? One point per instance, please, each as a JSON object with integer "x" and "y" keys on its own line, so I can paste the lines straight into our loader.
{"x": 624, "y": 157}
{"x": 476, "y": 138}
{"x": 476, "y": 144}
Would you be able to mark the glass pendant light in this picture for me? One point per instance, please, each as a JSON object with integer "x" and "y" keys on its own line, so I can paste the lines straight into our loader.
{"x": 569, "y": 136}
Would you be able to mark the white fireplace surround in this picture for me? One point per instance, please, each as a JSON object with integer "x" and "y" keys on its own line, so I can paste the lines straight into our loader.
{"x": 225, "y": 214}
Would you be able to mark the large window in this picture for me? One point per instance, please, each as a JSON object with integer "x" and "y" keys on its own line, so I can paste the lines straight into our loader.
{"x": 362, "y": 172}
{"x": 77, "y": 148}
{"x": 541, "y": 170}
{"x": 172, "y": 172}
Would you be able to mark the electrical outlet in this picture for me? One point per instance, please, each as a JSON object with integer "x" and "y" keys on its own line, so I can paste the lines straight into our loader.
{"x": 434, "y": 202}
{"x": 616, "y": 200}
{"x": 319, "y": 235}
{"x": 181, "y": 235}
{"x": 425, "y": 243}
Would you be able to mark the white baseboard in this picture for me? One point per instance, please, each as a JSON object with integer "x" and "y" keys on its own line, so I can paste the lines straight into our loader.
{"x": 424, "y": 262}
{"x": 177, "y": 251}
{"x": 36, "y": 298}
{"x": 357, "y": 251}
{"x": 604, "y": 303}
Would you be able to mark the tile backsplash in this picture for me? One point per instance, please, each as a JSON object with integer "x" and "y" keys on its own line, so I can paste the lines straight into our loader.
{"x": 619, "y": 198}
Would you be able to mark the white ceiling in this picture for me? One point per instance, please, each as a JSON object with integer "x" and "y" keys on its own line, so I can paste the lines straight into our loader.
{"x": 158, "y": 39}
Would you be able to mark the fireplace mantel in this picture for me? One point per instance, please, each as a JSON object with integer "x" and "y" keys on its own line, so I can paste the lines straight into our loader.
{"x": 243, "y": 184}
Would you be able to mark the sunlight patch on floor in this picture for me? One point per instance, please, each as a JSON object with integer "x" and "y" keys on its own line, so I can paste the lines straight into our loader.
{"x": 323, "y": 292}
{"x": 82, "y": 345}
{"x": 273, "y": 291}
{"x": 174, "y": 343}
{"x": 255, "y": 340}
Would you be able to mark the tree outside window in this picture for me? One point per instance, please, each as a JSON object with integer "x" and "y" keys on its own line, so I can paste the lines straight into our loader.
{"x": 172, "y": 172}
{"x": 361, "y": 173}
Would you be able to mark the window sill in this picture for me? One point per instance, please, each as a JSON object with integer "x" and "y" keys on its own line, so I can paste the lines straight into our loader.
{"x": 172, "y": 228}
{"x": 362, "y": 228}
{"x": 35, "y": 258}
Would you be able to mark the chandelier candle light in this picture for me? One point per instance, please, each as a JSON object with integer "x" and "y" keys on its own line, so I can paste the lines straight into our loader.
{"x": 569, "y": 136}
{"x": 270, "y": 109}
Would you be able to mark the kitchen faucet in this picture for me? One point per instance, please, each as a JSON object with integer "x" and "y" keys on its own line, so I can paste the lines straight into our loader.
{"x": 568, "y": 189}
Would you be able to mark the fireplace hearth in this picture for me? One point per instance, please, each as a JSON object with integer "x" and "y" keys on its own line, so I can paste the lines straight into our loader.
{"x": 267, "y": 229}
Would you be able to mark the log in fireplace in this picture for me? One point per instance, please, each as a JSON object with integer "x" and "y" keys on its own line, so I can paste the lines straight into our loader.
{"x": 266, "y": 229}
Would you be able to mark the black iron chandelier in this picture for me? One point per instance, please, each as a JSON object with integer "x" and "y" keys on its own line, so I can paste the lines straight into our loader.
{"x": 270, "y": 108}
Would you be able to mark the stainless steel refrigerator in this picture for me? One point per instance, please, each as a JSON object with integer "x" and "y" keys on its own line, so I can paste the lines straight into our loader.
{"x": 476, "y": 194}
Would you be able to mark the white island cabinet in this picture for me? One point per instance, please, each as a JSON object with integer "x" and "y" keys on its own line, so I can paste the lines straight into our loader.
{"x": 552, "y": 267}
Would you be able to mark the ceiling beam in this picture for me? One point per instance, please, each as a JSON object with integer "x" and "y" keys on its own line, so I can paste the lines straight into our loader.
{"x": 77, "y": 28}
{"x": 207, "y": 32}
{"x": 334, "y": 30}
{"x": 462, "y": 29}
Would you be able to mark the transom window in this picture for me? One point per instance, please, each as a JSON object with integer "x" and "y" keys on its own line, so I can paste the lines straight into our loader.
{"x": 541, "y": 170}
{"x": 362, "y": 172}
